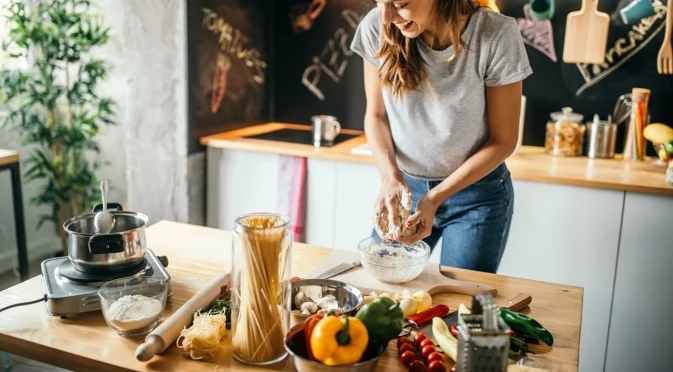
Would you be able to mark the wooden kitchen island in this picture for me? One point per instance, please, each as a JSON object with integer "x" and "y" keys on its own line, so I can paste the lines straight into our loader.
{"x": 196, "y": 255}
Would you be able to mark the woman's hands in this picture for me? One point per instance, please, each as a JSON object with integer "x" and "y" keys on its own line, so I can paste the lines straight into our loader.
{"x": 392, "y": 208}
{"x": 422, "y": 219}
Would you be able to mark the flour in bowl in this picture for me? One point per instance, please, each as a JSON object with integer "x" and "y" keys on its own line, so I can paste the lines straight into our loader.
{"x": 134, "y": 312}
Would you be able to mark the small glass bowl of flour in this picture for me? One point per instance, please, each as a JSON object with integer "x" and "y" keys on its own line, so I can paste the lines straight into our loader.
{"x": 133, "y": 306}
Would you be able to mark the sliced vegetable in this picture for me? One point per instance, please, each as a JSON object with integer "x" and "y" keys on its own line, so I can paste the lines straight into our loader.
{"x": 524, "y": 325}
{"x": 462, "y": 310}
{"x": 309, "y": 326}
{"x": 383, "y": 318}
{"x": 339, "y": 340}
{"x": 443, "y": 336}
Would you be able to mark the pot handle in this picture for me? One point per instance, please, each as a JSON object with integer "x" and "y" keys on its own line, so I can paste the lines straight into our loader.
{"x": 107, "y": 243}
{"x": 110, "y": 207}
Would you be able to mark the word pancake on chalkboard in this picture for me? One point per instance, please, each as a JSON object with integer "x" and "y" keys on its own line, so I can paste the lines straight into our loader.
{"x": 624, "y": 48}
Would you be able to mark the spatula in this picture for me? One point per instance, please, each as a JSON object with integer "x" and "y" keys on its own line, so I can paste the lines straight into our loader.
{"x": 586, "y": 34}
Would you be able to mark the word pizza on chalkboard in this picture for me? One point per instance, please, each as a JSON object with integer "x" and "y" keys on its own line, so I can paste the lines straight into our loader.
{"x": 333, "y": 59}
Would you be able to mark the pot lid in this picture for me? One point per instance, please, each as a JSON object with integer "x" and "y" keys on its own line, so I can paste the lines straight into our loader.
{"x": 567, "y": 114}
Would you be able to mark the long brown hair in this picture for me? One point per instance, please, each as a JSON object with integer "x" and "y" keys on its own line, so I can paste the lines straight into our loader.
{"x": 403, "y": 67}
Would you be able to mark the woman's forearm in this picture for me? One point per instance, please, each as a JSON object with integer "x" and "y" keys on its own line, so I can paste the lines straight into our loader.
{"x": 380, "y": 141}
{"x": 479, "y": 165}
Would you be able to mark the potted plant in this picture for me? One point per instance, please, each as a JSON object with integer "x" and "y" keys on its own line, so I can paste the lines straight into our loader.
{"x": 53, "y": 105}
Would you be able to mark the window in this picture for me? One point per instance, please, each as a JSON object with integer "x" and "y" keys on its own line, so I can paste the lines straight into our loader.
{"x": 5, "y": 61}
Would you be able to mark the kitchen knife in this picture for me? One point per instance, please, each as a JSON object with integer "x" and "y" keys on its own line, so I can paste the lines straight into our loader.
{"x": 515, "y": 303}
{"x": 338, "y": 269}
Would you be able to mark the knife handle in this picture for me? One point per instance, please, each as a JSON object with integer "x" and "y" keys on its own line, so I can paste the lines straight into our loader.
{"x": 517, "y": 303}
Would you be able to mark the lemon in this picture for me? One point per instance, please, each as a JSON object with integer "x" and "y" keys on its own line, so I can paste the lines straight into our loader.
{"x": 658, "y": 133}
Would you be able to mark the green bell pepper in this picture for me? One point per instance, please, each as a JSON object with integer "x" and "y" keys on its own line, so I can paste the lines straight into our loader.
{"x": 383, "y": 319}
{"x": 525, "y": 325}
{"x": 517, "y": 347}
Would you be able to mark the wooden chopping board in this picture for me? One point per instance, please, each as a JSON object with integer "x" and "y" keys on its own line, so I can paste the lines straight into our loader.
{"x": 586, "y": 34}
{"x": 433, "y": 279}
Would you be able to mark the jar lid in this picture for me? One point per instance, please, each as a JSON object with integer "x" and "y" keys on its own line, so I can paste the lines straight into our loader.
{"x": 567, "y": 114}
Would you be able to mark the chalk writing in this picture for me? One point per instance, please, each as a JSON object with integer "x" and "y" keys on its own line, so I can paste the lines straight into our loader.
{"x": 333, "y": 59}
{"x": 302, "y": 15}
{"x": 233, "y": 42}
{"x": 537, "y": 34}
{"x": 624, "y": 48}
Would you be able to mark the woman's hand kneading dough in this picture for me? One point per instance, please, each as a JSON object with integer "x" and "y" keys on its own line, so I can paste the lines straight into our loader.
{"x": 392, "y": 209}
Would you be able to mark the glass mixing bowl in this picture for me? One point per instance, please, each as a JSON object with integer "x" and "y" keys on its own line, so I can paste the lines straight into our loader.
{"x": 133, "y": 306}
{"x": 393, "y": 262}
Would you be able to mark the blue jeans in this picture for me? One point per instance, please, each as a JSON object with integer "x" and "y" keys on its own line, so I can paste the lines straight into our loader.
{"x": 473, "y": 223}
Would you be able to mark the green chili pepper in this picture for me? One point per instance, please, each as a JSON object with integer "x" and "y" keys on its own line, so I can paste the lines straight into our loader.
{"x": 526, "y": 326}
{"x": 383, "y": 318}
{"x": 517, "y": 347}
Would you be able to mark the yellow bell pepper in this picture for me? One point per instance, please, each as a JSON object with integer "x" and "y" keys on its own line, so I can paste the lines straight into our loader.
{"x": 339, "y": 340}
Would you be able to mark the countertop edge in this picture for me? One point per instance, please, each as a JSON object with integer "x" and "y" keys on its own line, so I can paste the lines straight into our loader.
{"x": 521, "y": 167}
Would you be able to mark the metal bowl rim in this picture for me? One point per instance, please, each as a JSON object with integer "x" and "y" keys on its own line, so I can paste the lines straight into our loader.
{"x": 316, "y": 363}
{"x": 331, "y": 283}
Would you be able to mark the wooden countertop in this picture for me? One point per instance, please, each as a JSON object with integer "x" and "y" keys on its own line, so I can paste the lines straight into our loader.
{"x": 196, "y": 255}
{"x": 530, "y": 163}
{"x": 8, "y": 157}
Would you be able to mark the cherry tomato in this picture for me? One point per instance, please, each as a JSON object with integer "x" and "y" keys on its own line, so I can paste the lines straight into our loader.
{"x": 403, "y": 340}
{"x": 436, "y": 366}
{"x": 427, "y": 350}
{"x": 406, "y": 347}
{"x": 454, "y": 331}
{"x": 420, "y": 336}
{"x": 427, "y": 341}
{"x": 434, "y": 356}
{"x": 417, "y": 366}
{"x": 408, "y": 357}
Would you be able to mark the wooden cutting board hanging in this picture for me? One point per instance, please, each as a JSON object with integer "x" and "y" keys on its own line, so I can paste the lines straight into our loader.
{"x": 586, "y": 34}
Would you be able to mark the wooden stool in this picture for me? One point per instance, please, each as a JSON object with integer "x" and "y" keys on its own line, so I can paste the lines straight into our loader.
{"x": 10, "y": 160}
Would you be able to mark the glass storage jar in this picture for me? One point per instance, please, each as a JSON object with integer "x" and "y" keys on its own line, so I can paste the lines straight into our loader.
{"x": 565, "y": 133}
{"x": 261, "y": 290}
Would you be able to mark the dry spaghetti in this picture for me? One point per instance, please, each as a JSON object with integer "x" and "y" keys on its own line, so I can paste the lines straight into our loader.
{"x": 261, "y": 302}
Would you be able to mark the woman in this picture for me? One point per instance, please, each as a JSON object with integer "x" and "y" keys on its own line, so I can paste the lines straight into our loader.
{"x": 443, "y": 82}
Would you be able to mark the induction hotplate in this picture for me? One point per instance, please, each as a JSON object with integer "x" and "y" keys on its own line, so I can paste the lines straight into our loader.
{"x": 304, "y": 137}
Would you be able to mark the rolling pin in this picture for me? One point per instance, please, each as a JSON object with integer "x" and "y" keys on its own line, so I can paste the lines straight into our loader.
{"x": 167, "y": 332}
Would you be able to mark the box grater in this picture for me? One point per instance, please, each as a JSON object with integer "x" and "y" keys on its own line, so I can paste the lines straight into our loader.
{"x": 483, "y": 338}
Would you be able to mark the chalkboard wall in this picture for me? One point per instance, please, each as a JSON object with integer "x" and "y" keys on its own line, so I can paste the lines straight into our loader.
{"x": 310, "y": 69}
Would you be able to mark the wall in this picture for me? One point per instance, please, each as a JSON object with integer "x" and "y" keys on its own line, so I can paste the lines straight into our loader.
{"x": 150, "y": 169}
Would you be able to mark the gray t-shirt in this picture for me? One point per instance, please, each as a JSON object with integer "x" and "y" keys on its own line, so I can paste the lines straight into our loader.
{"x": 437, "y": 127}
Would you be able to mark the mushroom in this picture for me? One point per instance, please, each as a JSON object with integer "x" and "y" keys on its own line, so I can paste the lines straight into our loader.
{"x": 311, "y": 307}
{"x": 299, "y": 299}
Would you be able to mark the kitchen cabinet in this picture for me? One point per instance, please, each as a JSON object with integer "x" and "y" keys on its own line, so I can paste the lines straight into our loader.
{"x": 568, "y": 234}
{"x": 641, "y": 324}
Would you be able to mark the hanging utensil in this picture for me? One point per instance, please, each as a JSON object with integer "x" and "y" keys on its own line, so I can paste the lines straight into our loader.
{"x": 622, "y": 110}
{"x": 665, "y": 57}
{"x": 586, "y": 34}
{"x": 104, "y": 221}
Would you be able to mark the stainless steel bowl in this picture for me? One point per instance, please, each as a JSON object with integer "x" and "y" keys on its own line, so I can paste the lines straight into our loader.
{"x": 349, "y": 298}
{"x": 295, "y": 345}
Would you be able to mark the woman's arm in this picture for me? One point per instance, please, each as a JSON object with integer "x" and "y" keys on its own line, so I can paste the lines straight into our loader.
{"x": 377, "y": 128}
{"x": 503, "y": 107}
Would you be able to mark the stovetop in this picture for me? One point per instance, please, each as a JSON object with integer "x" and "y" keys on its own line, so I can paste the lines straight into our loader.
{"x": 71, "y": 292}
{"x": 304, "y": 137}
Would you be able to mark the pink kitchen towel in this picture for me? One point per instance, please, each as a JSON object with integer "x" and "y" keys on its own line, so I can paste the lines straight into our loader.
{"x": 291, "y": 199}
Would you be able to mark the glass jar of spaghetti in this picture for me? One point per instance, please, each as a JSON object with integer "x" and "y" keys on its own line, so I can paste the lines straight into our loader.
{"x": 565, "y": 133}
{"x": 261, "y": 288}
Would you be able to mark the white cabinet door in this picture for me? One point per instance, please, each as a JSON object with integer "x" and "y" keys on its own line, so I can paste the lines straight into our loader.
{"x": 320, "y": 202}
{"x": 569, "y": 235}
{"x": 641, "y": 326}
{"x": 239, "y": 182}
{"x": 357, "y": 186}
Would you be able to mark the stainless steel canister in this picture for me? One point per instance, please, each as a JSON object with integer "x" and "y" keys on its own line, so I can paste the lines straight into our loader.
{"x": 601, "y": 138}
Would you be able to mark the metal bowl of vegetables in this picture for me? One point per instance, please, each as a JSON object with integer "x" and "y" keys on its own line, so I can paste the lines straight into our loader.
{"x": 295, "y": 344}
{"x": 322, "y": 296}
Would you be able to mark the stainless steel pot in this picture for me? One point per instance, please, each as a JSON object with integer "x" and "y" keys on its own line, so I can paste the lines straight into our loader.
{"x": 123, "y": 247}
